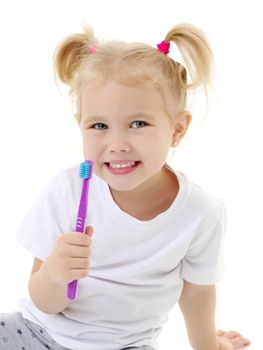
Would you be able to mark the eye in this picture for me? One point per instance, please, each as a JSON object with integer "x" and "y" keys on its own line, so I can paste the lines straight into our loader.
{"x": 139, "y": 124}
{"x": 99, "y": 126}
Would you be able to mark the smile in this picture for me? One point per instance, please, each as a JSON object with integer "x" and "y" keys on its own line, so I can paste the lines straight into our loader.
{"x": 121, "y": 167}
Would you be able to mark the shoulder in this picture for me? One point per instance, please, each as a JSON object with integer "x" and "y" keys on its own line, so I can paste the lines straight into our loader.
{"x": 201, "y": 202}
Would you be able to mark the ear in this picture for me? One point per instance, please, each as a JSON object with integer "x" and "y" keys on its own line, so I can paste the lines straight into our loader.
{"x": 182, "y": 123}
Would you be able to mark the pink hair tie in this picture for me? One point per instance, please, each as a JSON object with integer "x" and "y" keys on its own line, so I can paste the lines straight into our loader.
{"x": 164, "y": 47}
{"x": 92, "y": 50}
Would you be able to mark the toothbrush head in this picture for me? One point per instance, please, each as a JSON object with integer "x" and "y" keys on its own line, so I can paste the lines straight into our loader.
{"x": 85, "y": 170}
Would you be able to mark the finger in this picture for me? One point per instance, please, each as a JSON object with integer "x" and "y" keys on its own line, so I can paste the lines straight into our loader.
{"x": 232, "y": 334}
{"x": 77, "y": 239}
{"x": 89, "y": 230}
{"x": 239, "y": 342}
{"x": 79, "y": 263}
{"x": 74, "y": 251}
{"x": 220, "y": 332}
{"x": 78, "y": 273}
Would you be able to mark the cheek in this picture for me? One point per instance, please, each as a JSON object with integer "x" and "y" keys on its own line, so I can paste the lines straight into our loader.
{"x": 89, "y": 149}
{"x": 161, "y": 151}
{"x": 160, "y": 143}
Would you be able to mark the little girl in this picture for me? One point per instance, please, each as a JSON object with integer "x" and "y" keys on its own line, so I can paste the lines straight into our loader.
{"x": 152, "y": 238}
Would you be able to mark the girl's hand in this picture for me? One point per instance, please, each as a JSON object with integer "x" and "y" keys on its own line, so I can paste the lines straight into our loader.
{"x": 69, "y": 258}
{"x": 231, "y": 340}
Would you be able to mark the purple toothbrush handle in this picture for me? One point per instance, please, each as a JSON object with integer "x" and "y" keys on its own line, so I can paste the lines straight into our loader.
{"x": 72, "y": 289}
{"x": 72, "y": 286}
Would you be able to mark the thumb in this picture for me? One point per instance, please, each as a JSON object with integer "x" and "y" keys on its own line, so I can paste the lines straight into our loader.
{"x": 89, "y": 231}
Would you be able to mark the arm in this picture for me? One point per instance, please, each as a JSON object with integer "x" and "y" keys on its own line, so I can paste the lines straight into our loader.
{"x": 198, "y": 304}
{"x": 47, "y": 296}
{"x": 68, "y": 260}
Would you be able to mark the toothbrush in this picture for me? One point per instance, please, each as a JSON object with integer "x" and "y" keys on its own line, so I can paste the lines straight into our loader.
{"x": 85, "y": 173}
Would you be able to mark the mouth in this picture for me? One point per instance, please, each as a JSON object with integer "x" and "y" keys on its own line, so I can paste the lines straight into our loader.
{"x": 121, "y": 167}
{"x": 121, "y": 164}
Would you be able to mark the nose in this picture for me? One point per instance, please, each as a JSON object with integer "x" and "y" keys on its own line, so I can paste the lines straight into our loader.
{"x": 118, "y": 142}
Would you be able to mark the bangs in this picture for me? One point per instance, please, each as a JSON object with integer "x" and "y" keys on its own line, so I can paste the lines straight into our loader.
{"x": 133, "y": 65}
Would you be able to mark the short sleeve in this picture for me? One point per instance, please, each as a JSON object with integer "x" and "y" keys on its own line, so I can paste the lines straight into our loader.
{"x": 204, "y": 260}
{"x": 47, "y": 218}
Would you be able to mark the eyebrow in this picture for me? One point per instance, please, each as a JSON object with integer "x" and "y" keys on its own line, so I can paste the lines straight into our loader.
{"x": 97, "y": 118}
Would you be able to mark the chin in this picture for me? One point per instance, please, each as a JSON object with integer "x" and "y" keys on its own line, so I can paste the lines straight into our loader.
{"x": 122, "y": 188}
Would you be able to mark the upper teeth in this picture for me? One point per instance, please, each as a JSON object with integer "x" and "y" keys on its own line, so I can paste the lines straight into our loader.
{"x": 125, "y": 165}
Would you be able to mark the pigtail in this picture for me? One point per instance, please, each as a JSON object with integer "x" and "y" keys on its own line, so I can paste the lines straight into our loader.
{"x": 196, "y": 54}
{"x": 70, "y": 54}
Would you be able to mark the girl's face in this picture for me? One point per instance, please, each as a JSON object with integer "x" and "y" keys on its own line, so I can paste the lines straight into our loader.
{"x": 127, "y": 134}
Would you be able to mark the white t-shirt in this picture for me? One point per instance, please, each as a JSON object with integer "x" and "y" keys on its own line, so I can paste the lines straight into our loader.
{"x": 136, "y": 267}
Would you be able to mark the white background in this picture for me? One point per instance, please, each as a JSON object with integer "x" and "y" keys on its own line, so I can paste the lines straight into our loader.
{"x": 222, "y": 151}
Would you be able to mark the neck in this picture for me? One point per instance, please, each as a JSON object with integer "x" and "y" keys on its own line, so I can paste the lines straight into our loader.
{"x": 145, "y": 190}
{"x": 151, "y": 198}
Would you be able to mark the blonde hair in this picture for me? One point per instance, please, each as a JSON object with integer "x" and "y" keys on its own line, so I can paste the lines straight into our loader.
{"x": 137, "y": 64}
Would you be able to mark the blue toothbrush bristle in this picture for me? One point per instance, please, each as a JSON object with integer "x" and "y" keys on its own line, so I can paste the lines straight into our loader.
{"x": 85, "y": 169}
